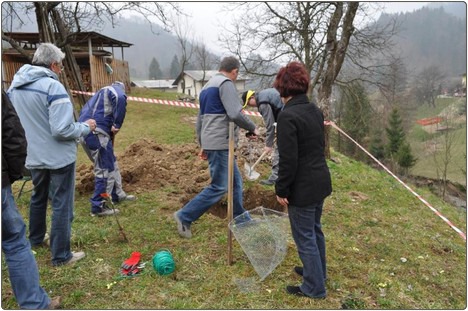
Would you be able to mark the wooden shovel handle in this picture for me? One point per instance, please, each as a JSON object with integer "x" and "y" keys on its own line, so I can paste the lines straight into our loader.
{"x": 261, "y": 157}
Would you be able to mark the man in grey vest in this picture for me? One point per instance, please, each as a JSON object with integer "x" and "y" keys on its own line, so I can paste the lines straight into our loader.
{"x": 219, "y": 104}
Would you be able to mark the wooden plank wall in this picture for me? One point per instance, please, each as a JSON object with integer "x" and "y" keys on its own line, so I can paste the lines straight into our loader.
{"x": 100, "y": 77}
{"x": 10, "y": 67}
{"x": 93, "y": 83}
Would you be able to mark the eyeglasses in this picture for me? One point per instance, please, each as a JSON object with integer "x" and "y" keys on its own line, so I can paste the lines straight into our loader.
{"x": 60, "y": 66}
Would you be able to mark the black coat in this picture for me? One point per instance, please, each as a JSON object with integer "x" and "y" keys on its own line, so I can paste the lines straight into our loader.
{"x": 303, "y": 176}
{"x": 13, "y": 143}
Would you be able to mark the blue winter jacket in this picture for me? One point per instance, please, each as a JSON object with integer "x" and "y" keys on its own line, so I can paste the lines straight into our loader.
{"x": 108, "y": 107}
{"x": 46, "y": 113}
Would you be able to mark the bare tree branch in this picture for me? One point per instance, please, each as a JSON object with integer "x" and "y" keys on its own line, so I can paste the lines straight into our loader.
{"x": 16, "y": 46}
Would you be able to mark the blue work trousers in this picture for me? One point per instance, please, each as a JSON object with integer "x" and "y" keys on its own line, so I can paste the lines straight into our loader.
{"x": 22, "y": 266}
{"x": 210, "y": 195}
{"x": 102, "y": 152}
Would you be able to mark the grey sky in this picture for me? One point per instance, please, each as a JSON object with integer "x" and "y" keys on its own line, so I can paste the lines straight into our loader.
{"x": 207, "y": 16}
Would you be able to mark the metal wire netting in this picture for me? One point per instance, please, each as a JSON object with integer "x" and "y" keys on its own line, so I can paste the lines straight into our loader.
{"x": 263, "y": 236}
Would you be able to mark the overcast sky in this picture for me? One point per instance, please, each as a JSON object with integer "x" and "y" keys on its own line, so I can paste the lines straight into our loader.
{"x": 207, "y": 16}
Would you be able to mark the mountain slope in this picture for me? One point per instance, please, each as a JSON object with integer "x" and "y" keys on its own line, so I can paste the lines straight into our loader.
{"x": 431, "y": 37}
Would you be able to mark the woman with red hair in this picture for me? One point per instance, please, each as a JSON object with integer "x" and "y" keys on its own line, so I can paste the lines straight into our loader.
{"x": 303, "y": 179}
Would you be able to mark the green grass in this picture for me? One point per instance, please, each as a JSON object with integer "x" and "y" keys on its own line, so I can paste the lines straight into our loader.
{"x": 369, "y": 236}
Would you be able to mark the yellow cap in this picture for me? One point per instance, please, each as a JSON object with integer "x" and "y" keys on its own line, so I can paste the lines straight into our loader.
{"x": 250, "y": 93}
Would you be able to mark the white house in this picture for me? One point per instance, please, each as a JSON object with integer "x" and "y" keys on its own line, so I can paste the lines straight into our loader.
{"x": 196, "y": 79}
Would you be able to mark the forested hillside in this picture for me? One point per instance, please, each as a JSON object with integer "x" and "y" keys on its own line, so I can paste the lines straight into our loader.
{"x": 148, "y": 43}
{"x": 431, "y": 37}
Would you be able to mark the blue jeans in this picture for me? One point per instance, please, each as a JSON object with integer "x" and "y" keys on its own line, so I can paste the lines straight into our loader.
{"x": 210, "y": 195}
{"x": 22, "y": 266}
{"x": 60, "y": 183}
{"x": 310, "y": 241}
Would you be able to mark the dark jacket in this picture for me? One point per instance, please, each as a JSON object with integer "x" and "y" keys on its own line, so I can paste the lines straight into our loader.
{"x": 303, "y": 176}
{"x": 13, "y": 143}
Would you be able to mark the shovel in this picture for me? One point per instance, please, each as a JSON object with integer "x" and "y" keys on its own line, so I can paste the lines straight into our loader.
{"x": 249, "y": 170}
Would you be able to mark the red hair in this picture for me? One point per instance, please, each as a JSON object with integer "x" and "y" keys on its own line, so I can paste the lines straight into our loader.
{"x": 292, "y": 80}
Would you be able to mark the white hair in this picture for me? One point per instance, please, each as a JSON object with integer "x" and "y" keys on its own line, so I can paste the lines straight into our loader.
{"x": 47, "y": 54}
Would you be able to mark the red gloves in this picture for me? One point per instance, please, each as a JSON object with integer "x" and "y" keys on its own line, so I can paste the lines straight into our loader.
{"x": 130, "y": 266}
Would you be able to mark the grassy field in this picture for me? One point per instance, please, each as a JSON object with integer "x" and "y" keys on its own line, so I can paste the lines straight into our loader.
{"x": 423, "y": 144}
{"x": 385, "y": 249}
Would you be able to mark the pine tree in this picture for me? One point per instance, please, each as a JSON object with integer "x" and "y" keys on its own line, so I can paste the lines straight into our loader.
{"x": 376, "y": 146}
{"x": 175, "y": 67}
{"x": 395, "y": 133}
{"x": 356, "y": 115}
{"x": 405, "y": 158}
{"x": 154, "y": 70}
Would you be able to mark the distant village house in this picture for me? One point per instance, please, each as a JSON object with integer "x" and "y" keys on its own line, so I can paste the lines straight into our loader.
{"x": 196, "y": 79}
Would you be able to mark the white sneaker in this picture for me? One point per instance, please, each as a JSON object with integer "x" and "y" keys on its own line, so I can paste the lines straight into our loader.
{"x": 75, "y": 257}
{"x": 184, "y": 230}
{"x": 55, "y": 303}
{"x": 129, "y": 197}
{"x": 106, "y": 212}
{"x": 46, "y": 240}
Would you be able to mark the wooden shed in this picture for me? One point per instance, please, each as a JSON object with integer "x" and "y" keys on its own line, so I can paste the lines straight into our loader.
{"x": 99, "y": 67}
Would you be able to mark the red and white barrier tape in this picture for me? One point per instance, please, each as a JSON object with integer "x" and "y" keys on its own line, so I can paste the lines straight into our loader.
{"x": 257, "y": 114}
{"x": 168, "y": 102}
{"x": 399, "y": 180}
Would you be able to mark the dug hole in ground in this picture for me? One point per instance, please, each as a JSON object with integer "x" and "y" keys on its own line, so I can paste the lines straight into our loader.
{"x": 146, "y": 166}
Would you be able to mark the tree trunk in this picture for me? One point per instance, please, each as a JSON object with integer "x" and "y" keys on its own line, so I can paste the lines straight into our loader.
{"x": 71, "y": 66}
{"x": 48, "y": 27}
{"x": 337, "y": 52}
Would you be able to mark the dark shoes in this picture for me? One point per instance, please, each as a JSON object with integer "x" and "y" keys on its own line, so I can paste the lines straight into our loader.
{"x": 267, "y": 182}
{"x": 44, "y": 243}
{"x": 296, "y": 291}
{"x": 299, "y": 270}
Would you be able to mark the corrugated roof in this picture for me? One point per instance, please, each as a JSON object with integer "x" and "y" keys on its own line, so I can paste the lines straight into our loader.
{"x": 197, "y": 75}
{"x": 154, "y": 84}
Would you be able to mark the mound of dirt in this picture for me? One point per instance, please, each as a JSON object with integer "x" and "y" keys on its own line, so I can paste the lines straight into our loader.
{"x": 146, "y": 166}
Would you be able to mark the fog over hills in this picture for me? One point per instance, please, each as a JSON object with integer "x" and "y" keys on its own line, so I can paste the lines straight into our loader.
{"x": 431, "y": 37}
{"x": 147, "y": 44}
